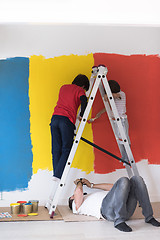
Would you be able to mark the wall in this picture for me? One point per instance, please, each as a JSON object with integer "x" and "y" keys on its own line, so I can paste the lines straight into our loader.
{"x": 35, "y": 61}
{"x": 74, "y": 11}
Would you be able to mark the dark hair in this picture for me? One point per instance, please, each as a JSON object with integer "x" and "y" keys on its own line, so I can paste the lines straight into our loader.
{"x": 114, "y": 86}
{"x": 101, "y": 65}
{"x": 81, "y": 80}
{"x": 70, "y": 201}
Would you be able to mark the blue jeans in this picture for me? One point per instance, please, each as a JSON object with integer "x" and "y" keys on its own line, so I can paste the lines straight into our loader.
{"x": 121, "y": 201}
{"x": 62, "y": 131}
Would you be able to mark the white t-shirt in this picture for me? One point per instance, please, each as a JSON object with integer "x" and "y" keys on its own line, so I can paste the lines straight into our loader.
{"x": 91, "y": 205}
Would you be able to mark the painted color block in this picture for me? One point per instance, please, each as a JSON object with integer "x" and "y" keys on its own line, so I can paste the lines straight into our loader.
{"x": 46, "y": 78}
{"x": 15, "y": 142}
{"x": 139, "y": 78}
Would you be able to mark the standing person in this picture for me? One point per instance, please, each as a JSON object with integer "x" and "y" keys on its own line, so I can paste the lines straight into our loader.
{"x": 120, "y": 102}
{"x": 115, "y": 203}
{"x": 63, "y": 120}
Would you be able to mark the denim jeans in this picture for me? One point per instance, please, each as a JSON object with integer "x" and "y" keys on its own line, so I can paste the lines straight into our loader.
{"x": 121, "y": 201}
{"x": 62, "y": 132}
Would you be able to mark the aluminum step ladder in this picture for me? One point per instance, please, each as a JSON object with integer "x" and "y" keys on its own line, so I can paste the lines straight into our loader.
{"x": 98, "y": 81}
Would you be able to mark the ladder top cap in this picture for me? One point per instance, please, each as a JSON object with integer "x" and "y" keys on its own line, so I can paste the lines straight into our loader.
{"x": 103, "y": 68}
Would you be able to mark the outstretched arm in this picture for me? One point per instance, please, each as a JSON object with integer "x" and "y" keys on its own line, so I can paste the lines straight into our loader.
{"x": 100, "y": 113}
{"x": 115, "y": 96}
{"x": 97, "y": 115}
{"x": 102, "y": 186}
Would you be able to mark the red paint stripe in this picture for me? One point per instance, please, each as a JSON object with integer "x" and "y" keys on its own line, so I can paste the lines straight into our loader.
{"x": 139, "y": 78}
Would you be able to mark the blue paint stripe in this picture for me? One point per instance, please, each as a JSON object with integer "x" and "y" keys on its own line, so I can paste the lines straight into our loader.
{"x": 15, "y": 142}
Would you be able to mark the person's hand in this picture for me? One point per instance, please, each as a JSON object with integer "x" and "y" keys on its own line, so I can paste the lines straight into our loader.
{"x": 116, "y": 95}
{"x": 105, "y": 98}
{"x": 79, "y": 118}
{"x": 76, "y": 181}
{"x": 91, "y": 120}
{"x": 86, "y": 182}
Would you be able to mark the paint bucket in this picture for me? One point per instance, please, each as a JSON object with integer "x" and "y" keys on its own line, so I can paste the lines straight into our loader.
{"x": 35, "y": 205}
{"x": 21, "y": 203}
{"x": 15, "y": 208}
{"x": 27, "y": 208}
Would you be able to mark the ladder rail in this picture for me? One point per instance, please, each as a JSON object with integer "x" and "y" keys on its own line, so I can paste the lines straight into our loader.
{"x": 119, "y": 124}
{"x": 108, "y": 110}
{"x": 74, "y": 147}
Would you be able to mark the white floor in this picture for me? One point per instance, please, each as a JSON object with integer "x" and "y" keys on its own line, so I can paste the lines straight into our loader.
{"x": 60, "y": 230}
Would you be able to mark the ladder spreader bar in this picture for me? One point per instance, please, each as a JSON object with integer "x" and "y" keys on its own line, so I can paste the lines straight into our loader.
{"x": 105, "y": 151}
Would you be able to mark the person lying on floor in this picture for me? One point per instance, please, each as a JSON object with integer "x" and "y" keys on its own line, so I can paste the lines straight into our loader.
{"x": 115, "y": 203}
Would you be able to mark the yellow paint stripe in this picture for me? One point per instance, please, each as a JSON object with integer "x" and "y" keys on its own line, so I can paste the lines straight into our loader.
{"x": 45, "y": 79}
